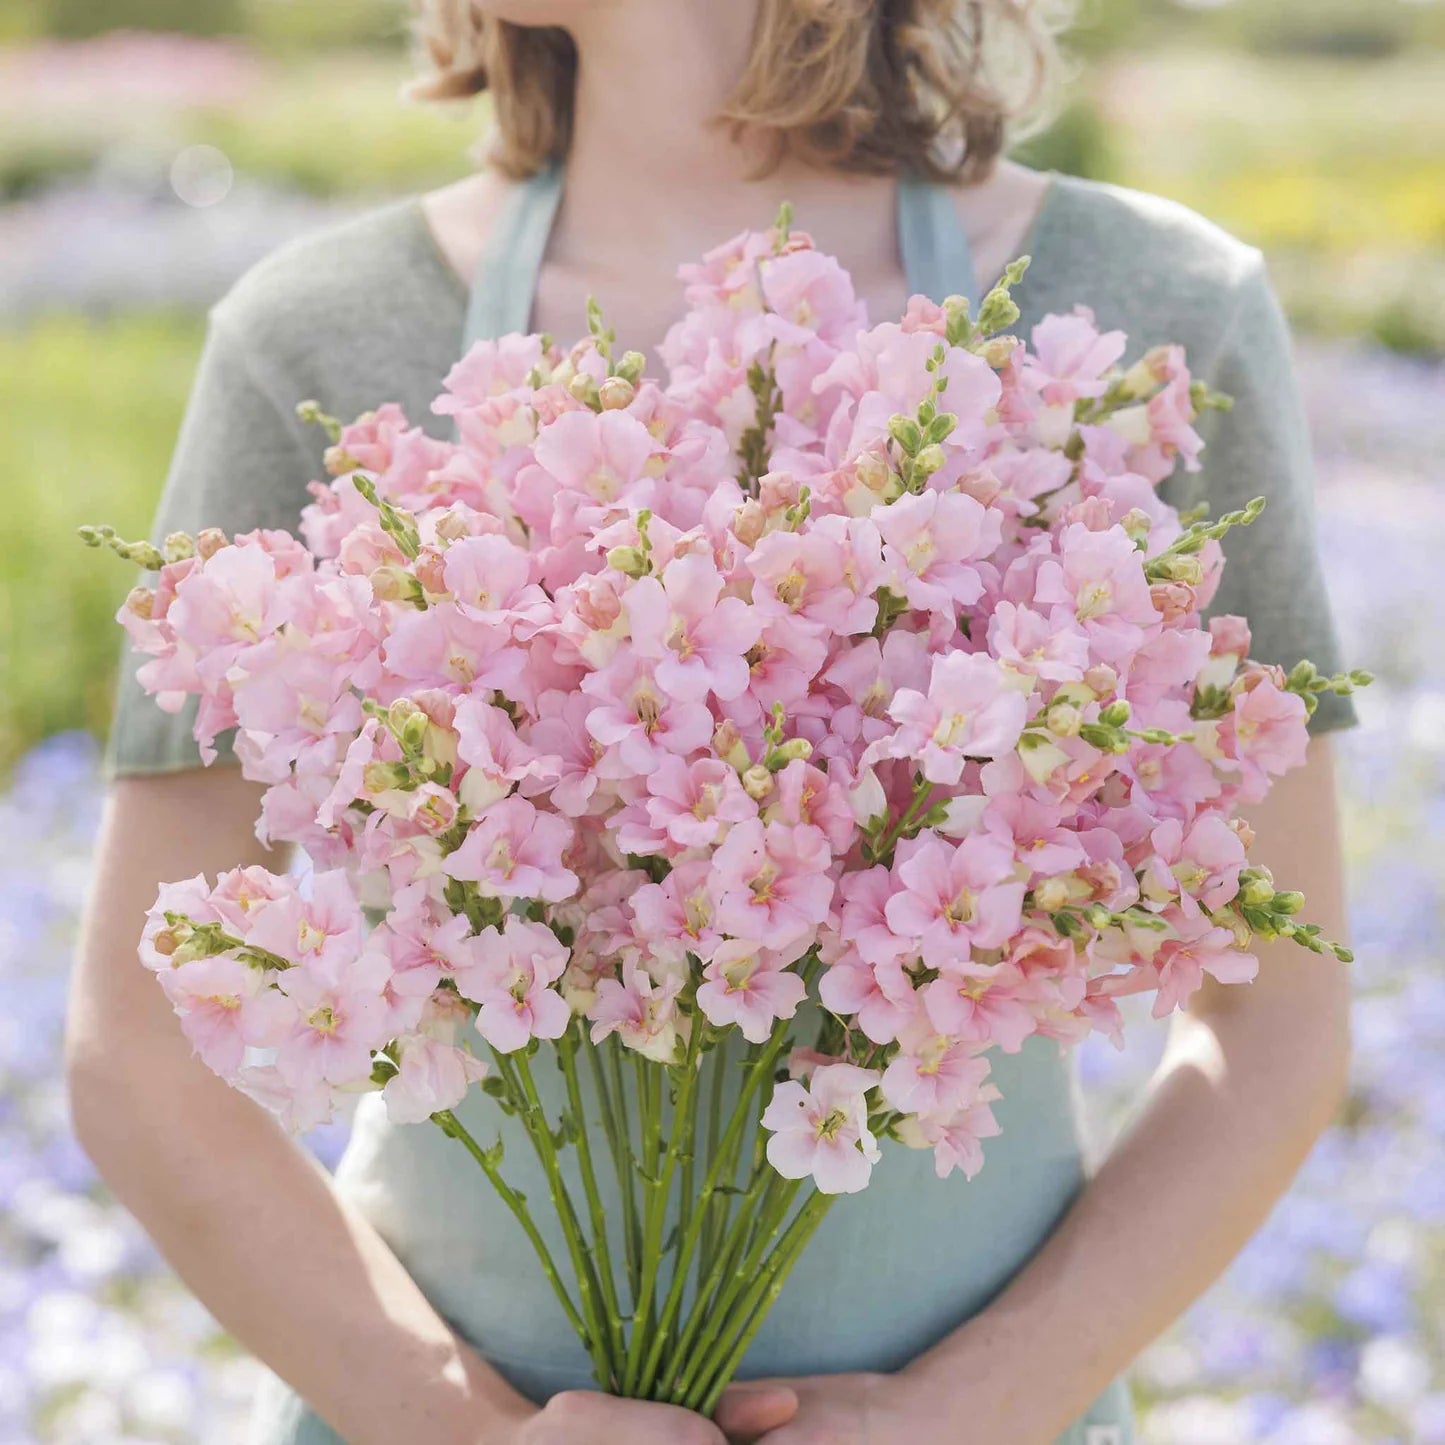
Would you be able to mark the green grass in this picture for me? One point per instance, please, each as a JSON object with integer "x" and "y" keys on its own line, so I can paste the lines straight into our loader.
{"x": 89, "y": 410}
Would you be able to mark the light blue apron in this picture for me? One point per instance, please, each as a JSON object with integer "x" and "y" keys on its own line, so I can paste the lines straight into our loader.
{"x": 891, "y": 1270}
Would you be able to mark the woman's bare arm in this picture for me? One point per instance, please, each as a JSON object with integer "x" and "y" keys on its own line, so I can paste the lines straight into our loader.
{"x": 1251, "y": 1077}
{"x": 248, "y": 1220}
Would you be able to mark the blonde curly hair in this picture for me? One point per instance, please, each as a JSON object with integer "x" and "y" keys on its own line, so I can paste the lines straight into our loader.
{"x": 934, "y": 87}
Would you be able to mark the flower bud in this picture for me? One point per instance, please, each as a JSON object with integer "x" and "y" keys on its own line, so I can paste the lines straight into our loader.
{"x": 178, "y": 546}
{"x": 1116, "y": 714}
{"x": 873, "y": 472}
{"x": 1041, "y": 758}
{"x": 430, "y": 568}
{"x": 392, "y": 584}
{"x": 1257, "y": 891}
{"x": 960, "y": 816}
{"x": 790, "y": 752}
{"x": 930, "y": 459}
{"x": 209, "y": 541}
{"x": 404, "y": 715}
{"x": 616, "y": 393}
{"x": 1063, "y": 719}
{"x": 584, "y": 389}
{"x": 1051, "y": 894}
{"x": 907, "y": 433}
{"x": 1143, "y": 378}
{"x": 140, "y": 602}
{"x": 631, "y": 367}
{"x": 143, "y": 554}
{"x": 1289, "y": 902}
{"x": 1136, "y": 522}
{"x": 867, "y": 798}
{"x": 168, "y": 940}
{"x": 728, "y": 744}
{"x": 451, "y": 526}
{"x": 749, "y": 522}
{"x": 383, "y": 777}
{"x": 631, "y": 561}
{"x": 338, "y": 461}
{"x": 1074, "y": 692}
{"x": 757, "y": 782}
{"x": 998, "y": 351}
{"x": 1188, "y": 570}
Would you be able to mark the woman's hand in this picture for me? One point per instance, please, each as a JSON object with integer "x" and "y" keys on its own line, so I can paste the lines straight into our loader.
{"x": 582, "y": 1417}
{"x": 862, "y": 1409}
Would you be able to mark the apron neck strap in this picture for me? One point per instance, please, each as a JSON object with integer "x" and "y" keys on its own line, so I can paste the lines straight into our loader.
{"x": 937, "y": 260}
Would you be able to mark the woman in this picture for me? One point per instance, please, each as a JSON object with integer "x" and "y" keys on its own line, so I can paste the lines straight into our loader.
{"x": 397, "y": 1304}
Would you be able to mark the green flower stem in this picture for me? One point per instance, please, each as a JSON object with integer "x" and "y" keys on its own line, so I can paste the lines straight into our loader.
{"x": 922, "y": 797}
{"x": 567, "y": 1060}
{"x": 762, "y": 1068}
{"x": 649, "y": 1109}
{"x": 451, "y": 1126}
{"x": 756, "y": 1168}
{"x": 714, "y": 1132}
{"x": 517, "y": 1073}
{"x": 756, "y": 1304}
{"x": 661, "y": 1168}
{"x": 619, "y": 1138}
{"x": 761, "y": 1212}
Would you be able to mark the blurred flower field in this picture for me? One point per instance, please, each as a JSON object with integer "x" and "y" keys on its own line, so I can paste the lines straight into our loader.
{"x": 1330, "y": 1330}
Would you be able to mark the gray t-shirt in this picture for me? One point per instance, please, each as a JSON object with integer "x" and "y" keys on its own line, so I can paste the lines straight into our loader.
{"x": 370, "y": 311}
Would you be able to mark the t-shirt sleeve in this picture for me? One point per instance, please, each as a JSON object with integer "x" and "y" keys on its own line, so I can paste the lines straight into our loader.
{"x": 242, "y": 460}
{"x": 1273, "y": 575}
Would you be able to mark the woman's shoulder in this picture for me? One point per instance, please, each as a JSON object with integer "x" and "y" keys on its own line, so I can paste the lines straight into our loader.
{"x": 373, "y": 280}
{"x": 1144, "y": 263}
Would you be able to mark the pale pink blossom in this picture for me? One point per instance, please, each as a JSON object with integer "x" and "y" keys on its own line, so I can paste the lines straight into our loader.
{"x": 431, "y": 1076}
{"x": 749, "y": 986}
{"x": 821, "y": 1129}
{"x": 515, "y": 851}
{"x": 513, "y": 980}
{"x": 952, "y": 899}
{"x": 640, "y": 1010}
{"x": 969, "y": 711}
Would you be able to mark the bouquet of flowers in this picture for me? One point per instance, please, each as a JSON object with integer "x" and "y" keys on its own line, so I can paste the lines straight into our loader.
{"x": 759, "y": 748}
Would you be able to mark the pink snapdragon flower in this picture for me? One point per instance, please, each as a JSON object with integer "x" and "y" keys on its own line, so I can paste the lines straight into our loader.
{"x": 771, "y": 883}
{"x": 698, "y": 637}
{"x": 641, "y": 1010}
{"x": 751, "y": 987}
{"x": 226, "y": 1006}
{"x": 1183, "y": 962}
{"x": 824, "y": 576}
{"x": 688, "y": 805}
{"x": 956, "y": 1139}
{"x": 514, "y": 851}
{"x": 323, "y": 933}
{"x": 952, "y": 900}
{"x": 933, "y": 1073}
{"x": 1097, "y": 576}
{"x": 1196, "y": 869}
{"x": 512, "y": 982}
{"x": 969, "y": 711}
{"x": 821, "y": 1129}
{"x": 341, "y": 1018}
{"x": 938, "y": 544}
{"x": 1266, "y": 734}
{"x": 432, "y": 1075}
{"x": 634, "y": 715}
